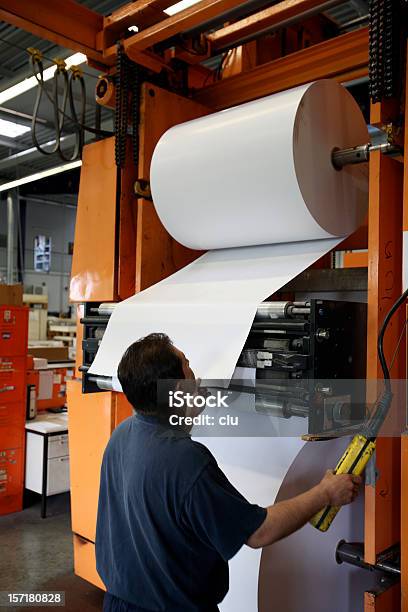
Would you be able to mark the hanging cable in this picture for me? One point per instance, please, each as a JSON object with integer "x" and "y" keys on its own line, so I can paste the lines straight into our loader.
{"x": 60, "y": 109}
{"x": 76, "y": 75}
{"x": 38, "y": 70}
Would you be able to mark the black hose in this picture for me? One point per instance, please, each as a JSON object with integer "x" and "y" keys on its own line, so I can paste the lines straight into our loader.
{"x": 384, "y": 401}
{"x": 380, "y": 342}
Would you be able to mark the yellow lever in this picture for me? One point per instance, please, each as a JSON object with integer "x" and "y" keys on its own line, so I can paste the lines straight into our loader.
{"x": 354, "y": 460}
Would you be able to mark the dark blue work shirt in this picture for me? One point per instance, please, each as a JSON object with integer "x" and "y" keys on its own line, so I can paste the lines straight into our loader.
{"x": 168, "y": 520}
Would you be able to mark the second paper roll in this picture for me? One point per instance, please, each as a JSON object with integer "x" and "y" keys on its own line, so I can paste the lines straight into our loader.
{"x": 261, "y": 173}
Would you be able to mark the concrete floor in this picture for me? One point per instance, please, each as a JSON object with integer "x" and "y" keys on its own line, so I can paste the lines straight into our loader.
{"x": 36, "y": 554}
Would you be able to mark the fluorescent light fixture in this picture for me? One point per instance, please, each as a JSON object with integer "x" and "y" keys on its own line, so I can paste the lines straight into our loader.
{"x": 180, "y": 6}
{"x": 133, "y": 28}
{"x": 11, "y": 129}
{"x": 40, "y": 175}
{"x": 30, "y": 82}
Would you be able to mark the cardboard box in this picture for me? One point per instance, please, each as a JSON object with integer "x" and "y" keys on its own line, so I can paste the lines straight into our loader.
{"x": 37, "y": 324}
{"x": 51, "y": 353}
{"x": 11, "y": 295}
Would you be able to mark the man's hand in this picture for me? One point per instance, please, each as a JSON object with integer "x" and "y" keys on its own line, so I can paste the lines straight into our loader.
{"x": 285, "y": 517}
{"x": 339, "y": 489}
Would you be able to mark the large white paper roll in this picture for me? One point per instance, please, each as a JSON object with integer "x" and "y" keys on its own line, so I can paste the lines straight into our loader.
{"x": 258, "y": 174}
{"x": 261, "y": 173}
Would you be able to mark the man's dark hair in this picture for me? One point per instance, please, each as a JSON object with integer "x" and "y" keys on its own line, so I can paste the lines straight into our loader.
{"x": 143, "y": 365}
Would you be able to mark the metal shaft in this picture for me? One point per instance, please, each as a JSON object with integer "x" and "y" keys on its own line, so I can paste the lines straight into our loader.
{"x": 361, "y": 154}
{"x": 354, "y": 155}
{"x": 353, "y": 553}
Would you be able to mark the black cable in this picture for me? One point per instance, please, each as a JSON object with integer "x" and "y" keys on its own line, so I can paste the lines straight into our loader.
{"x": 104, "y": 133}
{"x": 380, "y": 342}
{"x": 77, "y": 77}
{"x": 384, "y": 401}
{"x": 38, "y": 73}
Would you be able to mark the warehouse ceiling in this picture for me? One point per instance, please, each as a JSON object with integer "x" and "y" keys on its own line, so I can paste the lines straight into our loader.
{"x": 18, "y": 155}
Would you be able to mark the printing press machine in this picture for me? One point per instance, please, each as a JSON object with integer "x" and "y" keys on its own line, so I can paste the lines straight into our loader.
{"x": 309, "y": 358}
{"x": 121, "y": 247}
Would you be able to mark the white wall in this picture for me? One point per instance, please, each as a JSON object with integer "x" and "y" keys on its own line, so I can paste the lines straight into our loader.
{"x": 58, "y": 222}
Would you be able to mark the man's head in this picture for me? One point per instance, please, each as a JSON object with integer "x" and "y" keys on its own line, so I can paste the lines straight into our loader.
{"x": 144, "y": 364}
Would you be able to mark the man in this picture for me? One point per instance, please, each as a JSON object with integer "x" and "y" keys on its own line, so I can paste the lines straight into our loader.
{"x": 168, "y": 518}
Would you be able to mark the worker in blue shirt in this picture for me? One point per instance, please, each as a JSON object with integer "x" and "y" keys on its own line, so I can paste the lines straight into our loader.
{"x": 168, "y": 518}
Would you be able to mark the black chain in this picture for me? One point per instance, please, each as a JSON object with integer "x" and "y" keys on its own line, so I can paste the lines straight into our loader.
{"x": 121, "y": 96}
{"x": 387, "y": 24}
{"x": 128, "y": 85}
{"x": 135, "y": 87}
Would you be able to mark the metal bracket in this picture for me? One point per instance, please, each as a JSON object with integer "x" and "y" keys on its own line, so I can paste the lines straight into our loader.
{"x": 353, "y": 552}
{"x": 142, "y": 189}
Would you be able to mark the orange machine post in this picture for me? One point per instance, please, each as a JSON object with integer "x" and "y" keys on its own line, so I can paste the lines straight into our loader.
{"x": 382, "y": 509}
{"x": 404, "y": 439}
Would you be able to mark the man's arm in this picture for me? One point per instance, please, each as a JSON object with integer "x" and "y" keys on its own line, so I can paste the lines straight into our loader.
{"x": 285, "y": 517}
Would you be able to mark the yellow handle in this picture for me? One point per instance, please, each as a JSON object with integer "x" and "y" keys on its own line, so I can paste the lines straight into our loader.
{"x": 354, "y": 460}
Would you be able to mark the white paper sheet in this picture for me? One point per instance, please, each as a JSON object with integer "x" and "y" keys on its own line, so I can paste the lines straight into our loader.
{"x": 207, "y": 308}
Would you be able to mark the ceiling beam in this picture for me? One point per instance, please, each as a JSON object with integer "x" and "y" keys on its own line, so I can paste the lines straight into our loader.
{"x": 64, "y": 22}
{"x": 342, "y": 58}
{"x": 71, "y": 25}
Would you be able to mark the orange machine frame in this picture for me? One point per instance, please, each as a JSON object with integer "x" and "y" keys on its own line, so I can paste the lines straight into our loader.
{"x": 147, "y": 253}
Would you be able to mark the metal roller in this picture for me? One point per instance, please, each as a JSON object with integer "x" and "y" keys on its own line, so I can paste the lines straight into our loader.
{"x": 106, "y": 308}
{"x": 103, "y": 382}
{"x": 265, "y": 311}
{"x": 281, "y": 310}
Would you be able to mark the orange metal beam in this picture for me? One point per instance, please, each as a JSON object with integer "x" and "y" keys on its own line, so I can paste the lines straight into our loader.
{"x": 404, "y": 522}
{"x": 70, "y": 25}
{"x": 64, "y": 22}
{"x": 142, "y": 13}
{"x": 342, "y": 58}
{"x": 382, "y": 498}
{"x": 404, "y": 439}
{"x": 184, "y": 20}
{"x": 262, "y": 20}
